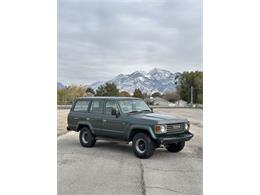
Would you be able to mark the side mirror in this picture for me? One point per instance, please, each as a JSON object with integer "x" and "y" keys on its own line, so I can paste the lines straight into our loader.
{"x": 115, "y": 112}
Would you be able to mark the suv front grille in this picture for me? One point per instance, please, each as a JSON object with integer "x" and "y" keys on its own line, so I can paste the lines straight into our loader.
{"x": 175, "y": 127}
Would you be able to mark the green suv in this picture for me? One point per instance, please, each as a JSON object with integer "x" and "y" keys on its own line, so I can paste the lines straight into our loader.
{"x": 127, "y": 119}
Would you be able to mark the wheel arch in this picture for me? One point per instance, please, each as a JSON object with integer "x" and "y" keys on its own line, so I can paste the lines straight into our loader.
{"x": 140, "y": 129}
{"x": 80, "y": 125}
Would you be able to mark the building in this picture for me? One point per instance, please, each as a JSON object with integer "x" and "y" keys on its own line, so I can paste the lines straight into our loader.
{"x": 181, "y": 103}
{"x": 157, "y": 101}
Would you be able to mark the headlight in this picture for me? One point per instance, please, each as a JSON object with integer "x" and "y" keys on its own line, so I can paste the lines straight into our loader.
{"x": 187, "y": 126}
{"x": 160, "y": 129}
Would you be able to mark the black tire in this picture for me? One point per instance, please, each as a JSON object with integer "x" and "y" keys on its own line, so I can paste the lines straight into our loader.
{"x": 86, "y": 137}
{"x": 176, "y": 147}
{"x": 143, "y": 146}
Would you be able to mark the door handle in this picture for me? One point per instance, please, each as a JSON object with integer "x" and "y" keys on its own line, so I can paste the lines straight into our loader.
{"x": 76, "y": 118}
{"x": 87, "y": 119}
{"x": 104, "y": 120}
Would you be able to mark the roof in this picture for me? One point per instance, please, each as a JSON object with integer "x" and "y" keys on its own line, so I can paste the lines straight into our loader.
{"x": 109, "y": 97}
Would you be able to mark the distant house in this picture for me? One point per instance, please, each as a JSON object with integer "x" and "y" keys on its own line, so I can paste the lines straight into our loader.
{"x": 157, "y": 101}
{"x": 172, "y": 104}
{"x": 181, "y": 103}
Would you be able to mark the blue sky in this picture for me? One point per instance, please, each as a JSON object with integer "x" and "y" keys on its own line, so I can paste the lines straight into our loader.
{"x": 98, "y": 39}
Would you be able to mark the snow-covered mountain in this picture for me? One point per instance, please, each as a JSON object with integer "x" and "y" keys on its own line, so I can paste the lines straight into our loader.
{"x": 60, "y": 85}
{"x": 156, "y": 80}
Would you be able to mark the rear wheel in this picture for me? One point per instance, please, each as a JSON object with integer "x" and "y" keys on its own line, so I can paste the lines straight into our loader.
{"x": 176, "y": 147}
{"x": 143, "y": 146}
{"x": 86, "y": 137}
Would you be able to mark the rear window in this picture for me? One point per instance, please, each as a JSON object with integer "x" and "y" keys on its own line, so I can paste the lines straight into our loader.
{"x": 97, "y": 106}
{"x": 81, "y": 106}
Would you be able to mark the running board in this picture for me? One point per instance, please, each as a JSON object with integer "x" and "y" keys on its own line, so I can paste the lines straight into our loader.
{"x": 112, "y": 140}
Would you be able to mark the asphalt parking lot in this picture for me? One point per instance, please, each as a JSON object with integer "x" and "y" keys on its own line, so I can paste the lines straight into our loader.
{"x": 112, "y": 168}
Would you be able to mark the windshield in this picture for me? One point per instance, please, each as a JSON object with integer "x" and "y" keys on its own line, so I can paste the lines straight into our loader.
{"x": 132, "y": 106}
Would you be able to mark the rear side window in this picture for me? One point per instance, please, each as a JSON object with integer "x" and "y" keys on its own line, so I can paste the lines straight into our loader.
{"x": 109, "y": 106}
{"x": 97, "y": 106}
{"x": 81, "y": 106}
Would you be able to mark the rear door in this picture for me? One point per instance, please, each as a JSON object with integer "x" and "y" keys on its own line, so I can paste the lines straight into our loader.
{"x": 78, "y": 112}
{"x": 96, "y": 113}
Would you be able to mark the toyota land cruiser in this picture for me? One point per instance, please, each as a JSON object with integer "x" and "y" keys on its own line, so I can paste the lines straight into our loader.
{"x": 127, "y": 119}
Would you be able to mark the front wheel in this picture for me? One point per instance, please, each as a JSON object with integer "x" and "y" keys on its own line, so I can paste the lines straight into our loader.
{"x": 143, "y": 145}
{"x": 86, "y": 137}
{"x": 176, "y": 147}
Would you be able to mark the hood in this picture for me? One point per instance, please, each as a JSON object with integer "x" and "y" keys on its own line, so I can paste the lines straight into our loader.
{"x": 159, "y": 118}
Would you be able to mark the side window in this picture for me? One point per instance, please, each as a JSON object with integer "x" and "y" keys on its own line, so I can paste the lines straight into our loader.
{"x": 109, "y": 106}
{"x": 97, "y": 106}
{"x": 81, "y": 106}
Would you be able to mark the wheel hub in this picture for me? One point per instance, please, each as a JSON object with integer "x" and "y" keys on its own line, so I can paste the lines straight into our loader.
{"x": 85, "y": 137}
{"x": 140, "y": 145}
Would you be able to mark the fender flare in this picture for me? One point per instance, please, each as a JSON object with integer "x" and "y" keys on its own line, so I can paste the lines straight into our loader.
{"x": 85, "y": 123}
{"x": 141, "y": 127}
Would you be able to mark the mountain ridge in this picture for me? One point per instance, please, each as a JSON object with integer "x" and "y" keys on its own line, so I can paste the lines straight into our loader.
{"x": 155, "y": 80}
{"x": 60, "y": 85}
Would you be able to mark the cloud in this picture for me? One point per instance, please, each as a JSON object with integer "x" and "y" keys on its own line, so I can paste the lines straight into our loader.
{"x": 98, "y": 39}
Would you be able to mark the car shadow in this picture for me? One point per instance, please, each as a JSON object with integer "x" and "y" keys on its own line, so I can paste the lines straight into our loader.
{"x": 114, "y": 146}
{"x": 108, "y": 147}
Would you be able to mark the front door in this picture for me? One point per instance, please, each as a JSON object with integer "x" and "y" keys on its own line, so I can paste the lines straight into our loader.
{"x": 114, "y": 126}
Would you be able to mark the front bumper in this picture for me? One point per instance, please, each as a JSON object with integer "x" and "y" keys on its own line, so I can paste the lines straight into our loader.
{"x": 176, "y": 138}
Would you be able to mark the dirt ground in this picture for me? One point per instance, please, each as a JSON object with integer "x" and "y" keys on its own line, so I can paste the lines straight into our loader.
{"x": 62, "y": 121}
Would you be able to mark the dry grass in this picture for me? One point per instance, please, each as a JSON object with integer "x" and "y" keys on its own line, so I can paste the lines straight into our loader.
{"x": 62, "y": 121}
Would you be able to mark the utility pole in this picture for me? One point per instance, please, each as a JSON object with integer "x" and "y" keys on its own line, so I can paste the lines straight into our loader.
{"x": 191, "y": 96}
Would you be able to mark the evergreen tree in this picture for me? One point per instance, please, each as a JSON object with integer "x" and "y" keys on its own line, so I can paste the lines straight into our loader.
{"x": 188, "y": 80}
{"x": 138, "y": 93}
{"x": 109, "y": 89}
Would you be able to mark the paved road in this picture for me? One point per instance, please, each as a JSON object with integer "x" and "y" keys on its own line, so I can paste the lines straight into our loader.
{"x": 112, "y": 168}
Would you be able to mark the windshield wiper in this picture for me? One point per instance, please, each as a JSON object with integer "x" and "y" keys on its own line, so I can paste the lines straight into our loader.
{"x": 134, "y": 111}
{"x": 145, "y": 111}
